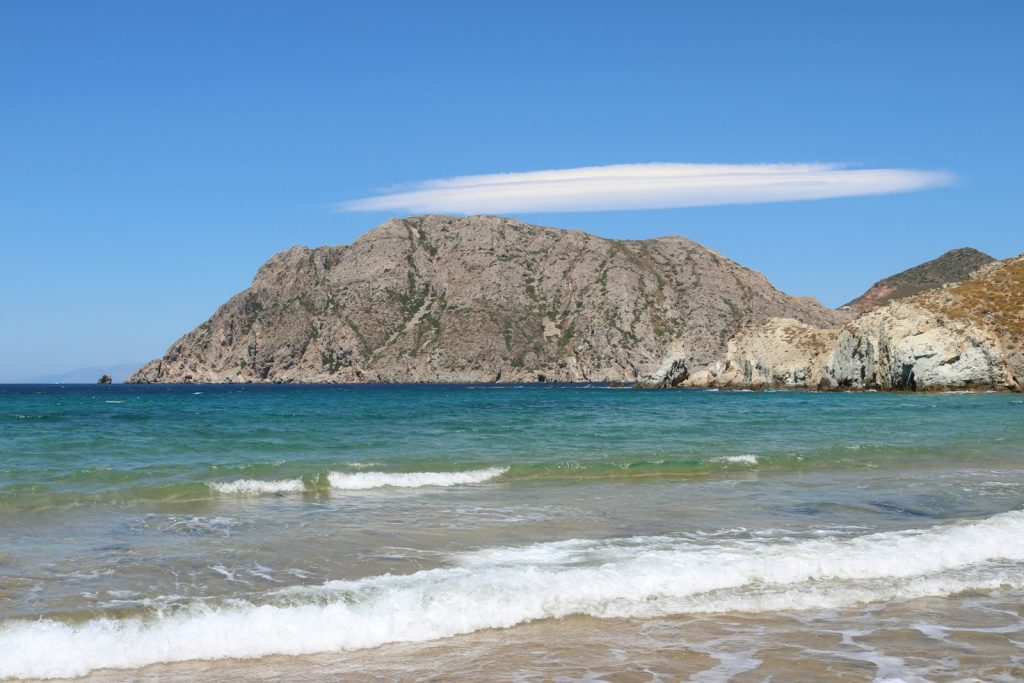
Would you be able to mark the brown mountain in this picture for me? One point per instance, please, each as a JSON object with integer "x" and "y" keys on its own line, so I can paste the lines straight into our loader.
{"x": 955, "y": 265}
{"x": 479, "y": 299}
{"x": 969, "y": 335}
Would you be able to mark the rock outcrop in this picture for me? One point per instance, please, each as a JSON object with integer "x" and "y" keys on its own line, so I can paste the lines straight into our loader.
{"x": 954, "y": 266}
{"x": 964, "y": 336}
{"x": 480, "y": 299}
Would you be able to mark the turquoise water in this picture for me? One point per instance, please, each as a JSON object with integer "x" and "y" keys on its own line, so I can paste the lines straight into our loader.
{"x": 81, "y": 445}
{"x": 331, "y": 519}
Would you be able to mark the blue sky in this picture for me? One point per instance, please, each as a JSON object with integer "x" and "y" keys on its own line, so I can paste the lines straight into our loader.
{"x": 153, "y": 155}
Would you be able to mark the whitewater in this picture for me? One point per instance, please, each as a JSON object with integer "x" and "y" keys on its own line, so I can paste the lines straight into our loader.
{"x": 636, "y": 577}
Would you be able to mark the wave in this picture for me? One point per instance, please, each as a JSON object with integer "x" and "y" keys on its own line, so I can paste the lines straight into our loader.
{"x": 502, "y": 587}
{"x": 359, "y": 481}
{"x": 748, "y": 459}
{"x": 256, "y": 486}
{"x": 54, "y": 486}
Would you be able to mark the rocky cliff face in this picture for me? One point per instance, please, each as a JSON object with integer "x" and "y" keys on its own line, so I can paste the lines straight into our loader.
{"x": 964, "y": 336}
{"x": 480, "y": 299}
{"x": 954, "y": 266}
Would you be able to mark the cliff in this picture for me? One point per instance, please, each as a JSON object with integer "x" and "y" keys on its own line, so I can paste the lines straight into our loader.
{"x": 480, "y": 299}
{"x": 963, "y": 336}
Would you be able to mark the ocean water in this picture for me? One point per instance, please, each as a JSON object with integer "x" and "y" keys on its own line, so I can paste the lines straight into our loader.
{"x": 570, "y": 533}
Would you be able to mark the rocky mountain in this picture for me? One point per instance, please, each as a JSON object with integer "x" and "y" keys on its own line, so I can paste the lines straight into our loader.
{"x": 955, "y": 265}
{"x": 968, "y": 335}
{"x": 480, "y": 299}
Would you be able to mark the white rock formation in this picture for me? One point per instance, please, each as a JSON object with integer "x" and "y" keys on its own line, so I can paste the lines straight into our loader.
{"x": 966, "y": 336}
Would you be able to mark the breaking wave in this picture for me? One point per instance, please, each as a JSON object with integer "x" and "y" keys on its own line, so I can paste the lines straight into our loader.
{"x": 358, "y": 481}
{"x": 502, "y": 587}
{"x": 748, "y": 459}
{"x": 254, "y": 487}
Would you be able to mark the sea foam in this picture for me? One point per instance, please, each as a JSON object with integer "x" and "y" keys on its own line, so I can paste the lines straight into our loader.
{"x": 502, "y": 587}
{"x": 358, "y": 481}
{"x": 748, "y": 459}
{"x": 254, "y": 487}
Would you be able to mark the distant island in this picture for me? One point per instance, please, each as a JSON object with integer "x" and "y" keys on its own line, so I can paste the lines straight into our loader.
{"x": 118, "y": 373}
{"x": 488, "y": 299}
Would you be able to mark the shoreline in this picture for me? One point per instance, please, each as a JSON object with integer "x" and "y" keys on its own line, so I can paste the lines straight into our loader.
{"x": 742, "y": 388}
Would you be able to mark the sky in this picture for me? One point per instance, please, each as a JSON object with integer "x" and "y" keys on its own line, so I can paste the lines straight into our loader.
{"x": 153, "y": 155}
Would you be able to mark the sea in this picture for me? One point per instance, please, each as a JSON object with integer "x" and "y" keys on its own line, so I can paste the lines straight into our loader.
{"x": 509, "y": 533}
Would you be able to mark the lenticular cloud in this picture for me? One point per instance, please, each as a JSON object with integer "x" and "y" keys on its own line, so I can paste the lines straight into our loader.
{"x": 645, "y": 186}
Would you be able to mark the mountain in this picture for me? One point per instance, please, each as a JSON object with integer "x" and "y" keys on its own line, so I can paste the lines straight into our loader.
{"x": 968, "y": 335}
{"x": 479, "y": 299}
{"x": 954, "y": 266}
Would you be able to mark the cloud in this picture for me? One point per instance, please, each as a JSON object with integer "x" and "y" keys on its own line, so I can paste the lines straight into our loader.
{"x": 644, "y": 186}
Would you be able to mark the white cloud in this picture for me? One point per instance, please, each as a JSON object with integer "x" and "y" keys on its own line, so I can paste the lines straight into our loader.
{"x": 645, "y": 186}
